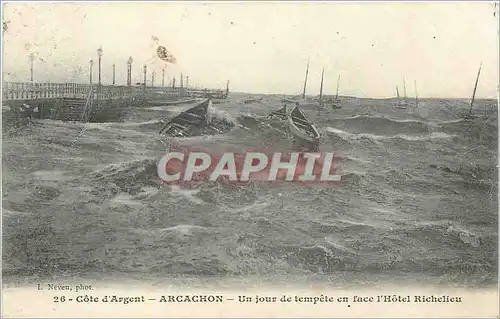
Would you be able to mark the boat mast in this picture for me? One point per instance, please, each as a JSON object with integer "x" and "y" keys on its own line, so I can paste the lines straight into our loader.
{"x": 305, "y": 81}
{"x": 416, "y": 94}
{"x": 404, "y": 88}
{"x": 321, "y": 87}
{"x": 475, "y": 88}
{"x": 397, "y": 92}
{"x": 337, "y": 94}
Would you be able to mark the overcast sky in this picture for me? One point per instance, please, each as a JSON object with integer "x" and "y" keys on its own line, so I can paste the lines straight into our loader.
{"x": 263, "y": 47}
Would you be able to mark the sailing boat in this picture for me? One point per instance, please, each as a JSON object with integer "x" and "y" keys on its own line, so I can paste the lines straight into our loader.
{"x": 302, "y": 100}
{"x": 306, "y": 135}
{"x": 416, "y": 94}
{"x": 321, "y": 87}
{"x": 335, "y": 102}
{"x": 404, "y": 89}
{"x": 401, "y": 104}
{"x": 469, "y": 115}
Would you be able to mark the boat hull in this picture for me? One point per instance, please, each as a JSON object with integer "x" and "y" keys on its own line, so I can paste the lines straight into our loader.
{"x": 188, "y": 121}
{"x": 280, "y": 114}
{"x": 298, "y": 133}
{"x": 301, "y": 128}
{"x": 249, "y": 101}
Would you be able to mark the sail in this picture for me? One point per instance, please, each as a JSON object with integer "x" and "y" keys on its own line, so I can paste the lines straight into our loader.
{"x": 321, "y": 87}
{"x": 305, "y": 81}
{"x": 475, "y": 88}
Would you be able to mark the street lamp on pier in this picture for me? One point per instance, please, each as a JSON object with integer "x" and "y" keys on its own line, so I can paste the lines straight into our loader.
{"x": 153, "y": 78}
{"x": 163, "y": 77}
{"x": 32, "y": 59}
{"x": 113, "y": 74}
{"x": 99, "y": 54}
{"x": 90, "y": 75}
{"x": 129, "y": 71}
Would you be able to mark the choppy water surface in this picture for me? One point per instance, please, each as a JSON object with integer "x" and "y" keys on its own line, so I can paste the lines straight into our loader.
{"x": 417, "y": 201}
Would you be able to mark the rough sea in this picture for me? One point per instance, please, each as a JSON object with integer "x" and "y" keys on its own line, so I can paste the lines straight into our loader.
{"x": 417, "y": 201}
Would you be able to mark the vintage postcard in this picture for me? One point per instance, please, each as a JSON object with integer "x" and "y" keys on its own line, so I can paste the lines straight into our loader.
{"x": 250, "y": 159}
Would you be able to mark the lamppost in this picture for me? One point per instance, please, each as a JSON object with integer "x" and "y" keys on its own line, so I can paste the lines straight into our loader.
{"x": 113, "y": 74}
{"x": 99, "y": 54}
{"x": 129, "y": 71}
{"x": 187, "y": 82}
{"x": 153, "y": 78}
{"x": 32, "y": 59}
{"x": 163, "y": 77}
{"x": 145, "y": 73}
{"x": 91, "y": 65}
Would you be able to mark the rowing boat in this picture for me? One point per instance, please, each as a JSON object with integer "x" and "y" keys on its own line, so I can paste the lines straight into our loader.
{"x": 301, "y": 127}
{"x": 184, "y": 123}
{"x": 252, "y": 100}
{"x": 334, "y": 103}
{"x": 280, "y": 114}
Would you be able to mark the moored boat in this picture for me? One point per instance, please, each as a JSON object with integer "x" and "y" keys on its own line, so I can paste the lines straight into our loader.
{"x": 301, "y": 127}
{"x": 470, "y": 116}
{"x": 302, "y": 100}
{"x": 402, "y": 103}
{"x": 335, "y": 102}
{"x": 332, "y": 103}
{"x": 280, "y": 113}
{"x": 252, "y": 100}
{"x": 188, "y": 121}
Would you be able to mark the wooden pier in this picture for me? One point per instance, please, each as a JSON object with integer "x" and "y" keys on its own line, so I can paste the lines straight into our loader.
{"x": 15, "y": 91}
{"x": 81, "y": 102}
{"x": 36, "y": 91}
{"x": 66, "y": 101}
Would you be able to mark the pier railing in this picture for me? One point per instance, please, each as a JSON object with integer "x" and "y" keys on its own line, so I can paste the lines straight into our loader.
{"x": 32, "y": 91}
